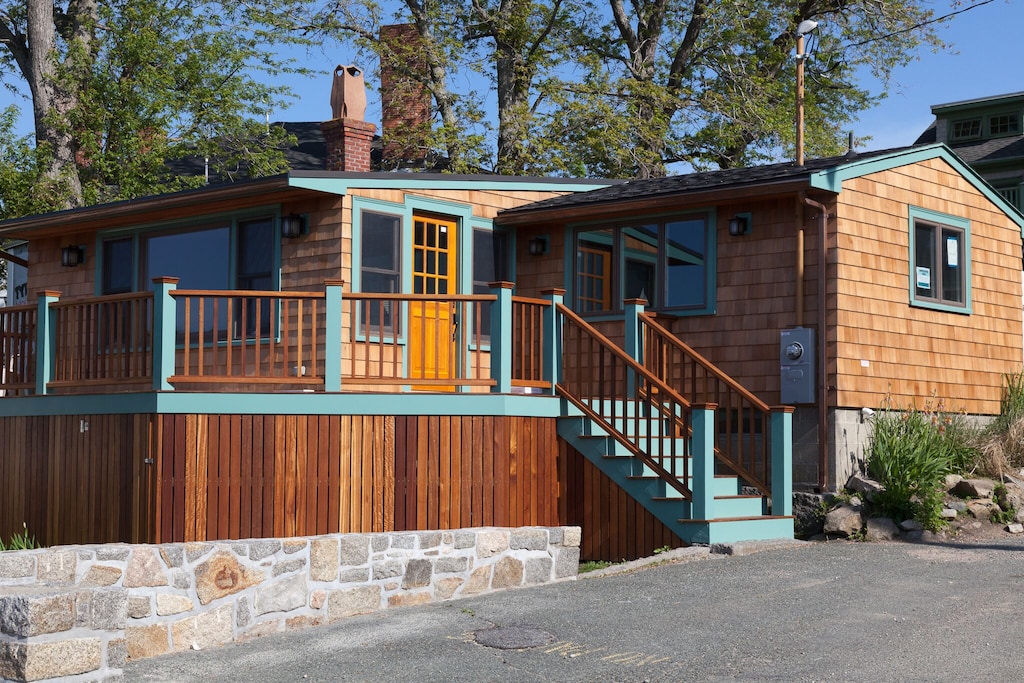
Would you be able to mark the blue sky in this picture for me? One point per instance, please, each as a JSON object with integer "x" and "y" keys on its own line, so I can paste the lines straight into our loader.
{"x": 982, "y": 62}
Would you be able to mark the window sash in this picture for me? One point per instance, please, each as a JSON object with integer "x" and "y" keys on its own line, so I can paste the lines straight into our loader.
{"x": 940, "y": 265}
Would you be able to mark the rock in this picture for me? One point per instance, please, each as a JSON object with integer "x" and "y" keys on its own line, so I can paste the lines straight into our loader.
{"x": 881, "y": 529}
{"x": 1015, "y": 528}
{"x": 1019, "y": 515}
{"x": 144, "y": 570}
{"x": 911, "y": 525}
{"x": 282, "y": 596}
{"x": 957, "y": 505}
{"x": 982, "y": 509}
{"x": 863, "y": 484}
{"x": 1016, "y": 481}
{"x": 808, "y": 514}
{"x": 952, "y": 480}
{"x": 222, "y": 575}
{"x": 844, "y": 521}
{"x": 974, "y": 488}
{"x": 947, "y": 513}
{"x": 508, "y": 573}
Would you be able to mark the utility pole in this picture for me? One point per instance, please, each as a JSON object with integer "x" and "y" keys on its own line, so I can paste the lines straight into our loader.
{"x": 803, "y": 29}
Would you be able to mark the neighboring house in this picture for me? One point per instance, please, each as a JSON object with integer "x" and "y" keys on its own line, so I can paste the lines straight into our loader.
{"x": 988, "y": 134}
{"x": 917, "y": 296}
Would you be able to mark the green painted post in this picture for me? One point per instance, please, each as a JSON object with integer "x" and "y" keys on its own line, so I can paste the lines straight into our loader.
{"x": 633, "y": 344}
{"x": 782, "y": 460}
{"x": 46, "y": 338}
{"x": 702, "y": 452}
{"x": 501, "y": 337}
{"x": 552, "y": 338}
{"x": 164, "y": 332}
{"x": 332, "y": 336}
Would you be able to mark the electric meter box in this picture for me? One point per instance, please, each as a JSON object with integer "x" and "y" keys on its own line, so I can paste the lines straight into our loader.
{"x": 796, "y": 365}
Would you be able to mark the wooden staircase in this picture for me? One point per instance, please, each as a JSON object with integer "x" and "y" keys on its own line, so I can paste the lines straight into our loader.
{"x": 690, "y": 463}
{"x": 736, "y": 516}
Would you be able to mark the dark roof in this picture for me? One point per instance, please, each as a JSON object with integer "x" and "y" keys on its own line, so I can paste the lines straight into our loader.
{"x": 980, "y": 152}
{"x": 708, "y": 180}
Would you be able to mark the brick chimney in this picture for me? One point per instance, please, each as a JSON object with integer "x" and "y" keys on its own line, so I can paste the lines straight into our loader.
{"x": 405, "y": 101}
{"x": 347, "y": 137}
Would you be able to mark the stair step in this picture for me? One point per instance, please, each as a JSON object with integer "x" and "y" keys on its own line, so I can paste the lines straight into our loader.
{"x": 734, "y": 519}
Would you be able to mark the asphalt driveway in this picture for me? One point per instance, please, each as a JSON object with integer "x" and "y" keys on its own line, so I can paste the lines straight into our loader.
{"x": 835, "y": 611}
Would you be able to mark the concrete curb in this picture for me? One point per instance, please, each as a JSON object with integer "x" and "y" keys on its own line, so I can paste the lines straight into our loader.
{"x": 696, "y": 552}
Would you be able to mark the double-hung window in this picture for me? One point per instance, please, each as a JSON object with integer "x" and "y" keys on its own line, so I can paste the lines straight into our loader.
{"x": 380, "y": 269}
{"x": 940, "y": 271}
{"x": 666, "y": 261}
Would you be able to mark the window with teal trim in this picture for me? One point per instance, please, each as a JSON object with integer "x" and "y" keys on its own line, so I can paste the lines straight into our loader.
{"x": 940, "y": 265}
{"x": 665, "y": 261}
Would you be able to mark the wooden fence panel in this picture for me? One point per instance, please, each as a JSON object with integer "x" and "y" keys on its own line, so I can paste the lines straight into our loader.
{"x": 76, "y": 478}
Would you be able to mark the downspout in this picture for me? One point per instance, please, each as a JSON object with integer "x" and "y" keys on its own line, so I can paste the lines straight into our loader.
{"x": 822, "y": 338}
{"x": 799, "y": 303}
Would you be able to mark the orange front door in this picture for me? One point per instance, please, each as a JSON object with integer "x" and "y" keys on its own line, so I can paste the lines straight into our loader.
{"x": 431, "y": 323}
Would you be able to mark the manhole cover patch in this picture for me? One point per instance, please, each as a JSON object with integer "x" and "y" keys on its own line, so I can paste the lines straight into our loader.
{"x": 513, "y": 637}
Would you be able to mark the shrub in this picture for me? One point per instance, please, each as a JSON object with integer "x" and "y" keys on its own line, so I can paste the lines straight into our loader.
{"x": 910, "y": 454}
{"x": 1002, "y": 442}
{"x": 20, "y": 541}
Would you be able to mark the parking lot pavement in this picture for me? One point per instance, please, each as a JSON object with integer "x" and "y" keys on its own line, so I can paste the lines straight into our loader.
{"x": 837, "y": 611}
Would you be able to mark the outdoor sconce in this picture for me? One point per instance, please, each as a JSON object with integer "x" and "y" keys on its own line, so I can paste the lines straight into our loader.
{"x": 538, "y": 246}
{"x": 72, "y": 256}
{"x": 292, "y": 226}
{"x": 739, "y": 225}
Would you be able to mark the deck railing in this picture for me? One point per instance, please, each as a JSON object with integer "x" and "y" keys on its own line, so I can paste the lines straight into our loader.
{"x": 527, "y": 343}
{"x": 249, "y": 337}
{"x": 742, "y": 434}
{"x": 17, "y": 350}
{"x": 422, "y": 340}
{"x": 105, "y": 340}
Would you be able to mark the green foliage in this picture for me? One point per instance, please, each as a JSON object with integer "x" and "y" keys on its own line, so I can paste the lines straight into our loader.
{"x": 141, "y": 83}
{"x": 909, "y": 455}
{"x": 1005, "y": 512}
{"x": 20, "y": 541}
{"x": 662, "y": 549}
{"x": 593, "y": 565}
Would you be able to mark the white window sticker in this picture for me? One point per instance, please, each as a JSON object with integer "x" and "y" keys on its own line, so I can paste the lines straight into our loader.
{"x": 924, "y": 278}
{"x": 952, "y": 252}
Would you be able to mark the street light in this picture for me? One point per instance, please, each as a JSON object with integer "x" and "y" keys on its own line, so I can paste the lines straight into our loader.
{"x": 805, "y": 27}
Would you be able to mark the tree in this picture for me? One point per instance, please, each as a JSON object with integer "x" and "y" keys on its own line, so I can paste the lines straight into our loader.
{"x": 711, "y": 83}
{"x": 120, "y": 88}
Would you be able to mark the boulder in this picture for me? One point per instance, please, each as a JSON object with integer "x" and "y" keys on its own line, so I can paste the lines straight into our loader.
{"x": 981, "y": 509}
{"x": 881, "y": 529}
{"x": 973, "y": 488}
{"x": 808, "y": 514}
{"x": 911, "y": 525}
{"x": 861, "y": 483}
{"x": 1015, "y": 528}
{"x": 952, "y": 480}
{"x": 845, "y": 520}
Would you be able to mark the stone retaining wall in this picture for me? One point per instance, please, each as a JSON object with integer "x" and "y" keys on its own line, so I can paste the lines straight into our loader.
{"x": 78, "y": 613}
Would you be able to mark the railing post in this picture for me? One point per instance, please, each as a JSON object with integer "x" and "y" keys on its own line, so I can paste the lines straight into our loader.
{"x": 633, "y": 343}
{"x": 552, "y": 338}
{"x": 782, "y": 460}
{"x": 702, "y": 452}
{"x": 46, "y": 338}
{"x": 501, "y": 337}
{"x": 164, "y": 331}
{"x": 332, "y": 335}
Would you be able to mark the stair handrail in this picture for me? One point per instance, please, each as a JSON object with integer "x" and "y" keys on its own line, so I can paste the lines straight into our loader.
{"x": 760, "y": 482}
{"x": 666, "y": 402}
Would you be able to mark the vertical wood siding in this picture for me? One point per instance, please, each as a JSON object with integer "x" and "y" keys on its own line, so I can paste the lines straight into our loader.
{"x": 69, "y": 484}
{"x": 615, "y": 526}
{"x": 239, "y": 476}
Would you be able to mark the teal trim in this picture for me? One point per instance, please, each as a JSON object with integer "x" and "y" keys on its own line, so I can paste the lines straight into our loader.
{"x": 702, "y": 451}
{"x": 344, "y": 185}
{"x": 916, "y": 213}
{"x": 501, "y": 336}
{"x": 332, "y": 337}
{"x": 782, "y": 461}
{"x": 164, "y": 333}
{"x": 551, "y": 342}
{"x": 832, "y": 179}
{"x": 633, "y": 344}
{"x": 285, "y": 403}
{"x": 46, "y": 338}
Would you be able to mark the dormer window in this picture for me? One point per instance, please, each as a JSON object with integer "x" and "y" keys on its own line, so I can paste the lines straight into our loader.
{"x": 1004, "y": 124}
{"x": 966, "y": 129}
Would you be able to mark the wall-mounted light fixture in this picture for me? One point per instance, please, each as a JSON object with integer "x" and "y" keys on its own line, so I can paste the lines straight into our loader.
{"x": 72, "y": 255}
{"x": 739, "y": 225}
{"x": 293, "y": 225}
{"x": 538, "y": 245}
